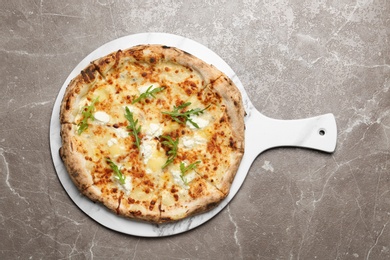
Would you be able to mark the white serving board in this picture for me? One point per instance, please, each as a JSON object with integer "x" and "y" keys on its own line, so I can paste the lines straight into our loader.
{"x": 261, "y": 133}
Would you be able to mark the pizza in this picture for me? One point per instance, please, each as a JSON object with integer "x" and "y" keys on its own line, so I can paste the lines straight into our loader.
{"x": 153, "y": 133}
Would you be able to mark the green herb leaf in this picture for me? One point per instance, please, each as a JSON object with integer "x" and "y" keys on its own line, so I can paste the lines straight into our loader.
{"x": 184, "y": 169}
{"x": 87, "y": 112}
{"x": 148, "y": 93}
{"x": 118, "y": 174}
{"x": 173, "y": 147}
{"x": 134, "y": 129}
{"x": 183, "y": 117}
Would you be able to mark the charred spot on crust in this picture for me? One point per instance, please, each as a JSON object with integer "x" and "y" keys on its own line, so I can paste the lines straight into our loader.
{"x": 152, "y": 60}
{"x": 85, "y": 76}
{"x": 211, "y": 205}
{"x": 137, "y": 53}
{"x": 137, "y": 213}
{"x": 166, "y": 219}
{"x": 119, "y": 204}
{"x": 152, "y": 203}
{"x": 67, "y": 105}
{"x": 101, "y": 63}
{"x": 165, "y": 47}
{"x": 232, "y": 144}
{"x": 117, "y": 58}
{"x": 187, "y": 53}
{"x": 88, "y": 74}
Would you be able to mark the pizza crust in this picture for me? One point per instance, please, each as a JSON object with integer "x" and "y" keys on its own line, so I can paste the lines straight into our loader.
{"x": 153, "y": 54}
{"x": 73, "y": 160}
{"x": 235, "y": 111}
{"x": 157, "y": 198}
{"x": 76, "y": 90}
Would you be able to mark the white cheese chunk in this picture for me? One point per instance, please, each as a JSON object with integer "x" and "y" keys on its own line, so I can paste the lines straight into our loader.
{"x": 190, "y": 142}
{"x": 112, "y": 141}
{"x": 128, "y": 186}
{"x": 101, "y": 116}
{"x": 201, "y": 121}
{"x": 154, "y": 130}
{"x": 121, "y": 132}
{"x": 188, "y": 177}
{"x": 147, "y": 148}
{"x": 177, "y": 178}
{"x": 133, "y": 109}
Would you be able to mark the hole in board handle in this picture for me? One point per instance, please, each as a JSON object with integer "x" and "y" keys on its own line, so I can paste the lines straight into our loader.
{"x": 321, "y": 132}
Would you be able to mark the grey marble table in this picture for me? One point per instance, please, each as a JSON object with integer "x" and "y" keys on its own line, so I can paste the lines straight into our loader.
{"x": 296, "y": 59}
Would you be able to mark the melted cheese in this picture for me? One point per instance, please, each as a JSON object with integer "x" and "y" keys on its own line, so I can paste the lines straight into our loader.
{"x": 153, "y": 158}
{"x": 116, "y": 150}
{"x": 156, "y": 162}
{"x": 102, "y": 94}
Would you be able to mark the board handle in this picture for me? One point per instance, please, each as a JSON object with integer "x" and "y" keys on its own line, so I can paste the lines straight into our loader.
{"x": 263, "y": 133}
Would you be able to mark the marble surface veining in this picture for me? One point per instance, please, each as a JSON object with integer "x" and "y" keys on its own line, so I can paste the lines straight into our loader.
{"x": 296, "y": 59}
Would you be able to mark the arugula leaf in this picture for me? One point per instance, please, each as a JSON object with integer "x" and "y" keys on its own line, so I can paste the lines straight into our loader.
{"x": 118, "y": 174}
{"x": 87, "y": 112}
{"x": 148, "y": 93}
{"x": 134, "y": 130}
{"x": 173, "y": 147}
{"x": 184, "y": 169}
{"x": 183, "y": 117}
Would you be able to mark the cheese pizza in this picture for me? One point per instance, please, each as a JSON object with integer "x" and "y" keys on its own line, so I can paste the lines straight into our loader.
{"x": 153, "y": 133}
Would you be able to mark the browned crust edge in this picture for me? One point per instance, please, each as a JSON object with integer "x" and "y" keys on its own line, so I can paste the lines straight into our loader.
{"x": 195, "y": 207}
{"x": 73, "y": 160}
{"x": 235, "y": 111}
{"x": 77, "y": 87}
{"x": 75, "y": 165}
